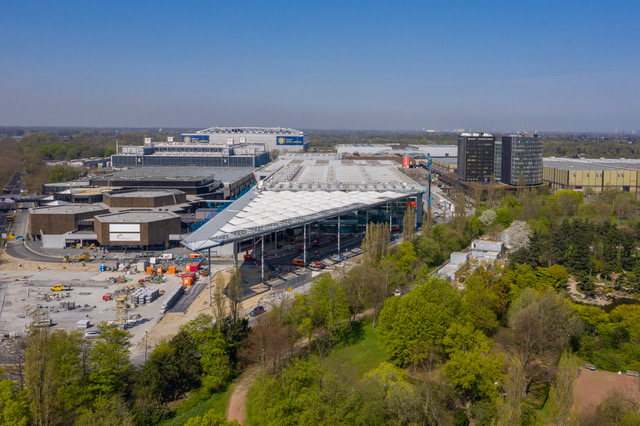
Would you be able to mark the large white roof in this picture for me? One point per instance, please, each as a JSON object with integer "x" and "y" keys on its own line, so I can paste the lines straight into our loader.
{"x": 258, "y": 213}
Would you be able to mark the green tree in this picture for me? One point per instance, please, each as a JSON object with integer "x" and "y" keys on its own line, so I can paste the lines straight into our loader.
{"x": 413, "y": 323}
{"x": 329, "y": 303}
{"x": 109, "y": 361}
{"x": 409, "y": 224}
{"x": 105, "y": 411}
{"x": 213, "y": 350}
{"x": 561, "y": 395}
{"x": 14, "y": 409}
{"x": 472, "y": 366}
{"x": 60, "y": 173}
{"x": 376, "y": 242}
{"x": 401, "y": 399}
{"x": 540, "y": 325}
{"x": 171, "y": 370}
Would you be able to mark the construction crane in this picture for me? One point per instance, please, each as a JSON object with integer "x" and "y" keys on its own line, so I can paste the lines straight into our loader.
{"x": 428, "y": 167}
{"x": 248, "y": 256}
{"x": 315, "y": 228}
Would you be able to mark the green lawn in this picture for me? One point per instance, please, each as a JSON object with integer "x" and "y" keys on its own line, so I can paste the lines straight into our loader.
{"x": 363, "y": 355}
{"x": 192, "y": 408}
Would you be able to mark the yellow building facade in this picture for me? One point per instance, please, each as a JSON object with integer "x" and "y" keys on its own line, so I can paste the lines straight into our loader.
{"x": 579, "y": 174}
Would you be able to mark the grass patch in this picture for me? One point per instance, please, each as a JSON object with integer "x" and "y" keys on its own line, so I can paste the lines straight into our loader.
{"x": 198, "y": 405}
{"x": 365, "y": 353}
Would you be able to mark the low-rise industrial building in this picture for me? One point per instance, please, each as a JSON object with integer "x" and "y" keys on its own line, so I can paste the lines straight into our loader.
{"x": 213, "y": 183}
{"x": 270, "y": 138}
{"x": 597, "y": 174}
{"x": 64, "y": 219}
{"x": 445, "y": 165}
{"x": 144, "y": 229}
{"x": 145, "y": 199}
{"x": 367, "y": 149}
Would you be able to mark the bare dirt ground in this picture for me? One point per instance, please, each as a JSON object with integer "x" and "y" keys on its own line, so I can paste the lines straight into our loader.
{"x": 237, "y": 409}
{"x": 593, "y": 386}
{"x": 171, "y": 322}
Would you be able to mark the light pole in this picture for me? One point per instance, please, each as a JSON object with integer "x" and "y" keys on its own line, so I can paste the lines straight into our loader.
{"x": 146, "y": 339}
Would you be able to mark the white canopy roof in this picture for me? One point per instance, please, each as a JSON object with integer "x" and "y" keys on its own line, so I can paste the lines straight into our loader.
{"x": 257, "y": 213}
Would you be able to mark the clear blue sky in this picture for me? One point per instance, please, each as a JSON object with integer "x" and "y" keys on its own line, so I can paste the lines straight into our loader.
{"x": 497, "y": 65}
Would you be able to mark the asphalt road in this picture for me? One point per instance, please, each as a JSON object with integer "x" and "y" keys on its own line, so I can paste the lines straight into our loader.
{"x": 185, "y": 301}
{"x": 19, "y": 251}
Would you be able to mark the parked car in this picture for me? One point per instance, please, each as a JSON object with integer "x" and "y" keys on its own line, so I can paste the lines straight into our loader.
{"x": 257, "y": 311}
{"x": 91, "y": 334}
{"x": 397, "y": 292}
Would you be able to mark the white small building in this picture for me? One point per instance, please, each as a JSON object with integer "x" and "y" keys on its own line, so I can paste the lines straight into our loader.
{"x": 487, "y": 249}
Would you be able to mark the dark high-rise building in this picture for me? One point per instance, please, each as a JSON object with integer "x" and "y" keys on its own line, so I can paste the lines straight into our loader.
{"x": 521, "y": 160}
{"x": 476, "y": 157}
{"x": 497, "y": 161}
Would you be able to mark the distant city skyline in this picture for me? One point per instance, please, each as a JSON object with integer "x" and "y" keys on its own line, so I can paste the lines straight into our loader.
{"x": 545, "y": 66}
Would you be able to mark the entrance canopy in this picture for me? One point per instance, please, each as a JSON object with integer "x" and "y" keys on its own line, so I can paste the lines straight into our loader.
{"x": 262, "y": 212}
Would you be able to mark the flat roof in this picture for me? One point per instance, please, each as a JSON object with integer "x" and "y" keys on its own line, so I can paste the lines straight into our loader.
{"x": 223, "y": 174}
{"x": 69, "y": 209}
{"x": 600, "y": 164}
{"x": 146, "y": 194}
{"x": 135, "y": 216}
{"x": 249, "y": 130}
{"x": 338, "y": 175}
{"x": 446, "y": 160}
{"x": 70, "y": 184}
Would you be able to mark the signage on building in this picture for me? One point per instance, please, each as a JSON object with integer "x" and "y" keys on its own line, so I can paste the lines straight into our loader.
{"x": 113, "y": 237}
{"x": 195, "y": 138}
{"x": 290, "y": 140}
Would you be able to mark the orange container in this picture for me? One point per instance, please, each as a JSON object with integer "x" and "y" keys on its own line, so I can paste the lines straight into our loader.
{"x": 187, "y": 278}
{"x": 172, "y": 270}
{"x": 159, "y": 270}
{"x": 149, "y": 269}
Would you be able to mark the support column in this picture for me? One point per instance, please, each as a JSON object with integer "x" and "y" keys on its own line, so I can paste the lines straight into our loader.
{"x": 304, "y": 245}
{"x": 275, "y": 244}
{"x": 419, "y": 211}
{"x": 390, "y": 218}
{"x": 339, "y": 236}
{"x": 235, "y": 254}
{"x": 262, "y": 256}
{"x": 209, "y": 257}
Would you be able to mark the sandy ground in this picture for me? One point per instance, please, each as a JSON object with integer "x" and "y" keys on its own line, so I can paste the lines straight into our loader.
{"x": 592, "y": 387}
{"x": 237, "y": 408}
{"x": 169, "y": 325}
